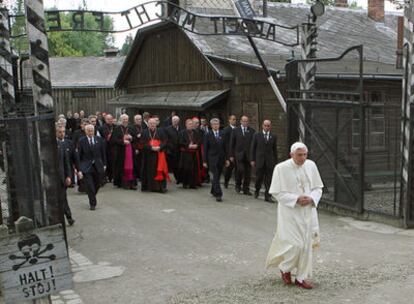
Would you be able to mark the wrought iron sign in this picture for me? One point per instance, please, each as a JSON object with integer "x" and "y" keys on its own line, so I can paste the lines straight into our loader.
{"x": 153, "y": 11}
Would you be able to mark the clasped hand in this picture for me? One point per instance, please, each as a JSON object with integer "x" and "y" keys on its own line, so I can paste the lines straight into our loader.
{"x": 304, "y": 200}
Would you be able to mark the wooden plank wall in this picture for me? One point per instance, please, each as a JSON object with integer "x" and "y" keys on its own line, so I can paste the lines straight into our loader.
{"x": 169, "y": 57}
{"x": 64, "y": 101}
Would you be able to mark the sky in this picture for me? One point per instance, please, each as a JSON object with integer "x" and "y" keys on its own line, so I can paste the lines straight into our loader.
{"x": 120, "y": 5}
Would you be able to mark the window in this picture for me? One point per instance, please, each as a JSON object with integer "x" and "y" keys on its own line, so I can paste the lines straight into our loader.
{"x": 83, "y": 94}
{"x": 374, "y": 126}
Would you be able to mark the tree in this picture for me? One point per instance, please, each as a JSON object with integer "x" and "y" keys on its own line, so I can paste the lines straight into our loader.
{"x": 80, "y": 43}
{"x": 64, "y": 43}
{"x": 18, "y": 28}
{"x": 126, "y": 47}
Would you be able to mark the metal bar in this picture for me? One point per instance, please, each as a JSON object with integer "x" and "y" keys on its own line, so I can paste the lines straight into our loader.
{"x": 353, "y": 48}
{"x": 362, "y": 132}
{"x": 337, "y": 132}
{"x": 404, "y": 135}
{"x": 324, "y": 102}
{"x": 315, "y": 136}
{"x": 185, "y": 19}
{"x": 268, "y": 75}
{"x": 6, "y": 68}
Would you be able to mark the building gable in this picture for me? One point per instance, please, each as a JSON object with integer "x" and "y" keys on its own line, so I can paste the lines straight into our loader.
{"x": 165, "y": 55}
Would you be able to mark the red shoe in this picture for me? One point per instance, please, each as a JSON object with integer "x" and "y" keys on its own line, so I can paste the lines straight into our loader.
{"x": 287, "y": 279}
{"x": 304, "y": 284}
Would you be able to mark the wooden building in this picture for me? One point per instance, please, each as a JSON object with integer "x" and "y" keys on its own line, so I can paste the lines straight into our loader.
{"x": 165, "y": 71}
{"x": 171, "y": 69}
{"x": 80, "y": 83}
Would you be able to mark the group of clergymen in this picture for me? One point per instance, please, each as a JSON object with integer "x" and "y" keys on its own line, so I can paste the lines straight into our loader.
{"x": 98, "y": 149}
{"x": 145, "y": 152}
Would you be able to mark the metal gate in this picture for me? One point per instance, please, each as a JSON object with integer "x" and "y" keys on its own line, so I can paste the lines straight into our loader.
{"x": 353, "y": 137}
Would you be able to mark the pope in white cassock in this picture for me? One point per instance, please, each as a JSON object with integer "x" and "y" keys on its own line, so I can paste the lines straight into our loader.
{"x": 297, "y": 186}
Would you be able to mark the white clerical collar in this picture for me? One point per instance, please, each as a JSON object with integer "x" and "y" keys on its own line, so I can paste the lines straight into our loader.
{"x": 295, "y": 164}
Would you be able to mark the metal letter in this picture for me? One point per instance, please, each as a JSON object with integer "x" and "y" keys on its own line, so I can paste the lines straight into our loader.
{"x": 99, "y": 18}
{"x": 126, "y": 13}
{"x": 78, "y": 24}
{"x": 142, "y": 13}
{"x": 53, "y": 20}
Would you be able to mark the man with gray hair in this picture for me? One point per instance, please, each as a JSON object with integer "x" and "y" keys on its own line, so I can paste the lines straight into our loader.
{"x": 154, "y": 171}
{"x": 297, "y": 186}
{"x": 215, "y": 156}
{"x": 173, "y": 152}
{"x": 91, "y": 163}
{"x": 123, "y": 166}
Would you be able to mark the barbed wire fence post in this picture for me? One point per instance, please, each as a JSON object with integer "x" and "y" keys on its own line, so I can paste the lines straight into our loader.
{"x": 7, "y": 106}
{"x": 46, "y": 153}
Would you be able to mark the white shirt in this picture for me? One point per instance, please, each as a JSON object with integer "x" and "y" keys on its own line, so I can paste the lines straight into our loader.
{"x": 91, "y": 140}
{"x": 266, "y": 135}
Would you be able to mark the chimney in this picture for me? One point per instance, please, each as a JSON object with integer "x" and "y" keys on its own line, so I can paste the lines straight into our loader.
{"x": 265, "y": 8}
{"x": 376, "y": 10}
{"x": 341, "y": 3}
{"x": 400, "y": 42}
{"x": 111, "y": 52}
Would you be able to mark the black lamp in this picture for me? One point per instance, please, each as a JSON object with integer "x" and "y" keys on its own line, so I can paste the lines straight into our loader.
{"x": 317, "y": 10}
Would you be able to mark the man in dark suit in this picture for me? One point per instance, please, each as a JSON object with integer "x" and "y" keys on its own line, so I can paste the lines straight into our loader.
{"x": 145, "y": 116}
{"x": 240, "y": 144}
{"x": 106, "y": 131}
{"x": 65, "y": 171}
{"x": 227, "y": 136}
{"x": 173, "y": 151}
{"x": 215, "y": 156}
{"x": 264, "y": 158}
{"x": 79, "y": 133}
{"x": 168, "y": 120}
{"x": 91, "y": 163}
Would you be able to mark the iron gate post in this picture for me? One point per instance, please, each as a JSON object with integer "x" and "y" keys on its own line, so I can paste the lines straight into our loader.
{"x": 43, "y": 104}
{"x": 406, "y": 194}
{"x": 6, "y": 67}
{"x": 307, "y": 71}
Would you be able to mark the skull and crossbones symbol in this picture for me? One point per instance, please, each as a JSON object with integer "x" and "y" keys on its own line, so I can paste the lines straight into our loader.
{"x": 31, "y": 249}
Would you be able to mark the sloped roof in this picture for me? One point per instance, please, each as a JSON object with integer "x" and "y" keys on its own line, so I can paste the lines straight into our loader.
{"x": 181, "y": 100}
{"x": 339, "y": 29}
{"x": 86, "y": 72}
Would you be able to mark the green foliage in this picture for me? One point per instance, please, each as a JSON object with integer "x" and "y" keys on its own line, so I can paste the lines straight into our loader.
{"x": 80, "y": 43}
{"x": 354, "y": 5}
{"x": 126, "y": 47}
{"x": 20, "y": 44}
{"x": 65, "y": 43}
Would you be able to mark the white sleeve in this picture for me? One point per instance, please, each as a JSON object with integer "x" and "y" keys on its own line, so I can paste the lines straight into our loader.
{"x": 286, "y": 198}
{"x": 316, "y": 195}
